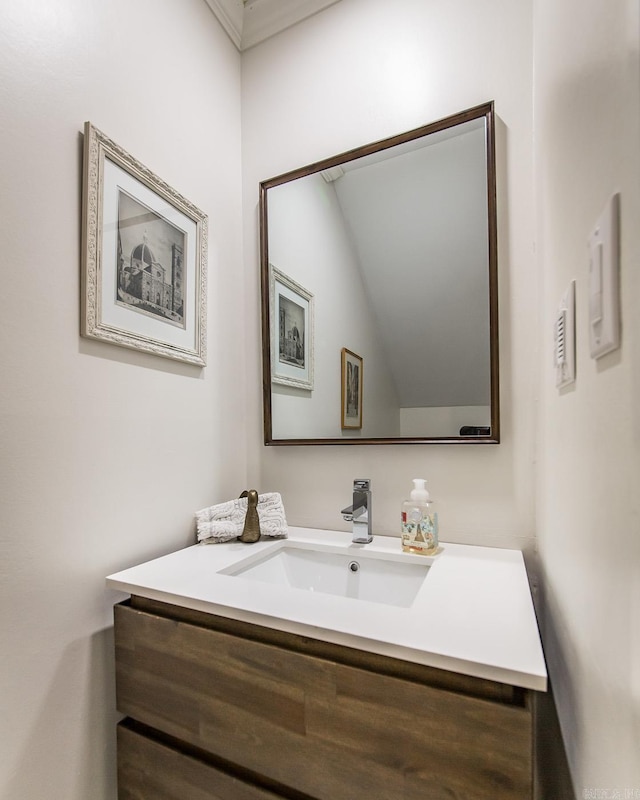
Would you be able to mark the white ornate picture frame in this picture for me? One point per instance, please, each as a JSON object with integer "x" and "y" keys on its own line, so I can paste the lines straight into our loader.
{"x": 144, "y": 270}
{"x": 291, "y": 308}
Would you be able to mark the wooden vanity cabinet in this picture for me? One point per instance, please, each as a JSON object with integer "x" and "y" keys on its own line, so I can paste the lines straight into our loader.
{"x": 224, "y": 710}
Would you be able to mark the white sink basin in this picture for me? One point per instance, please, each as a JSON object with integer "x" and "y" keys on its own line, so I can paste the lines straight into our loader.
{"x": 393, "y": 580}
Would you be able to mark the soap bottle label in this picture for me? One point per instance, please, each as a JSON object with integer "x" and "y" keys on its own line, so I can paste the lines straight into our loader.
{"x": 419, "y": 531}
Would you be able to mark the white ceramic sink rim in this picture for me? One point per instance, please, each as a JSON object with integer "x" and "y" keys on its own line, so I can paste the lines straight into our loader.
{"x": 390, "y": 579}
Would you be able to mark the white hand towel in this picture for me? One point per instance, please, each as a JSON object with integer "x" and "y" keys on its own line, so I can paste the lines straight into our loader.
{"x": 225, "y": 521}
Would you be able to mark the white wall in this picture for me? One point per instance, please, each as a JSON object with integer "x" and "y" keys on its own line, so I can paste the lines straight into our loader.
{"x": 587, "y": 109}
{"x": 360, "y": 71}
{"x": 106, "y": 453}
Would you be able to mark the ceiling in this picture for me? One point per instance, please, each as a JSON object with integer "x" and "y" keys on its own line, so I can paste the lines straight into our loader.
{"x": 249, "y": 22}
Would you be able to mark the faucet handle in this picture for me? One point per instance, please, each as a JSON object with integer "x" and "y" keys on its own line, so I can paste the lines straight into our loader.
{"x": 362, "y": 485}
{"x": 347, "y": 514}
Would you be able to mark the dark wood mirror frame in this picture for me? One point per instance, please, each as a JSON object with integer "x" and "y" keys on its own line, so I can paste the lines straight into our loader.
{"x": 485, "y": 111}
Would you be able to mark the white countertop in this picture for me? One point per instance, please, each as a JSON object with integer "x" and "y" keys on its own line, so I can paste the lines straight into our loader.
{"x": 474, "y": 614}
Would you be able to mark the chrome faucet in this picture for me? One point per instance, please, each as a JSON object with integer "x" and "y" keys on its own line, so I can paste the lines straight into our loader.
{"x": 359, "y": 514}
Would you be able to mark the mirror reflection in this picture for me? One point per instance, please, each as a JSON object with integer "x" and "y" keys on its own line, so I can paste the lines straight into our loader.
{"x": 379, "y": 291}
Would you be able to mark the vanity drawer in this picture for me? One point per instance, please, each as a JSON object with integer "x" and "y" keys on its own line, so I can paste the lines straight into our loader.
{"x": 154, "y": 770}
{"x": 323, "y": 727}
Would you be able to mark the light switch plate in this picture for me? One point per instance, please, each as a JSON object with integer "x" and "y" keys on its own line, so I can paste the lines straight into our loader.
{"x": 564, "y": 338}
{"x": 604, "y": 281}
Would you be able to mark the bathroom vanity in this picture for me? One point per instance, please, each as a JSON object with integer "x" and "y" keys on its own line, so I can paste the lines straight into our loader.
{"x": 237, "y": 684}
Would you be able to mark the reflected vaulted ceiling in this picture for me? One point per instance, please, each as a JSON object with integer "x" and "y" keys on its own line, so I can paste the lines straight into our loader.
{"x": 248, "y": 22}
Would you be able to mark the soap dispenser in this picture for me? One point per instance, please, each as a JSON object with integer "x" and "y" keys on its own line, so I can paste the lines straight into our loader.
{"x": 419, "y": 521}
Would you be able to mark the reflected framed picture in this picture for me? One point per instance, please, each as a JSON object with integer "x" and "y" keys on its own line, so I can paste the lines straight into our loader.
{"x": 144, "y": 270}
{"x": 291, "y": 308}
{"x": 351, "y": 383}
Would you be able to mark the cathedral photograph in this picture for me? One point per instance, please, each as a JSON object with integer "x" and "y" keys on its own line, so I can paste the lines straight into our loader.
{"x": 150, "y": 262}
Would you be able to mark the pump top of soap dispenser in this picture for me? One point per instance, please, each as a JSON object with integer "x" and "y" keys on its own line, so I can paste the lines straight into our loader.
{"x": 419, "y": 493}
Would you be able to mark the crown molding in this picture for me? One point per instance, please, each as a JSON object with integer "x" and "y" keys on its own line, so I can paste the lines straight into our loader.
{"x": 251, "y": 22}
{"x": 230, "y": 15}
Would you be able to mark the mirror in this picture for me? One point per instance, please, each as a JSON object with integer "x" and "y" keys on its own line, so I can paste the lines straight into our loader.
{"x": 379, "y": 292}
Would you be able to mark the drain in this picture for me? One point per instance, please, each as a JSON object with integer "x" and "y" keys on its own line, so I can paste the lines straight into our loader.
{"x": 354, "y": 566}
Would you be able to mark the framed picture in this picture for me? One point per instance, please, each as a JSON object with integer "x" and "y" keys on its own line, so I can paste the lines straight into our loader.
{"x": 144, "y": 271}
{"x": 351, "y": 383}
{"x": 291, "y": 331}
